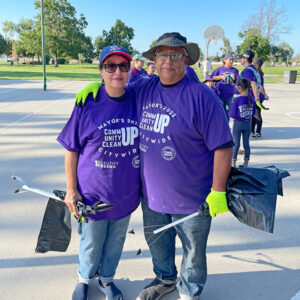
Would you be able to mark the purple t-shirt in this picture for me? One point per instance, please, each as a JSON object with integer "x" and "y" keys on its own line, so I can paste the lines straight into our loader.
{"x": 105, "y": 134}
{"x": 239, "y": 109}
{"x": 226, "y": 89}
{"x": 190, "y": 72}
{"x": 137, "y": 74}
{"x": 180, "y": 126}
{"x": 251, "y": 75}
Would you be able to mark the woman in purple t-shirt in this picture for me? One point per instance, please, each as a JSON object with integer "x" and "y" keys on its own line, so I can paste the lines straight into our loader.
{"x": 241, "y": 110}
{"x": 102, "y": 163}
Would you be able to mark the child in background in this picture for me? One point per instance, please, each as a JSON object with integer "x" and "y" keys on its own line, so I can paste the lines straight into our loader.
{"x": 241, "y": 110}
{"x": 208, "y": 80}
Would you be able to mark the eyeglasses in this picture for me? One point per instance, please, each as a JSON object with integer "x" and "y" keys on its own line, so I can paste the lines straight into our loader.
{"x": 176, "y": 56}
{"x": 111, "y": 67}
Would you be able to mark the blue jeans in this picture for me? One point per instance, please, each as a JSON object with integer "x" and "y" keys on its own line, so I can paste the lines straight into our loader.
{"x": 101, "y": 246}
{"x": 241, "y": 128}
{"x": 193, "y": 235}
{"x": 226, "y": 105}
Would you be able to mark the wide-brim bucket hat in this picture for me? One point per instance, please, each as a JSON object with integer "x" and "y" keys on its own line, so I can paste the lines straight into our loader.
{"x": 175, "y": 39}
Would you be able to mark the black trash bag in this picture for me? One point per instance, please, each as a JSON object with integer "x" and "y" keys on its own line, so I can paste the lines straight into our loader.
{"x": 252, "y": 194}
{"x": 55, "y": 233}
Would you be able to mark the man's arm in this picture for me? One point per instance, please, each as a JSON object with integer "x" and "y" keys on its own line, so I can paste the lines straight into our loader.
{"x": 222, "y": 166}
{"x": 255, "y": 90}
{"x": 72, "y": 196}
{"x": 216, "y": 199}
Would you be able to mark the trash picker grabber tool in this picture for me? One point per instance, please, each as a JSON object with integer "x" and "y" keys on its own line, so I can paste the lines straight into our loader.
{"x": 202, "y": 210}
{"x": 29, "y": 188}
{"x": 83, "y": 210}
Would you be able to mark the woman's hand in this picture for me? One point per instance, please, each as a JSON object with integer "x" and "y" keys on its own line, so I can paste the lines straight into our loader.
{"x": 71, "y": 198}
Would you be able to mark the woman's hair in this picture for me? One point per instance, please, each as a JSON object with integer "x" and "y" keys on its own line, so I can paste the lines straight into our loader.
{"x": 258, "y": 62}
{"x": 245, "y": 85}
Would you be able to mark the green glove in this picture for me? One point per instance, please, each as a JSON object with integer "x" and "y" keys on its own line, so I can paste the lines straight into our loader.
{"x": 217, "y": 203}
{"x": 261, "y": 106}
{"x": 90, "y": 88}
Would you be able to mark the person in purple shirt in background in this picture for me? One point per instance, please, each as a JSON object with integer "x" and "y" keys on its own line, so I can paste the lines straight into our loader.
{"x": 151, "y": 69}
{"x": 209, "y": 81}
{"x": 136, "y": 72}
{"x": 186, "y": 151}
{"x": 241, "y": 110}
{"x": 225, "y": 77}
{"x": 257, "y": 122}
{"x": 190, "y": 72}
{"x": 102, "y": 163}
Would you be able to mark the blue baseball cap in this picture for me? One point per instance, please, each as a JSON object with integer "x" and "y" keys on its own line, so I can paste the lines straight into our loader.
{"x": 114, "y": 49}
{"x": 229, "y": 56}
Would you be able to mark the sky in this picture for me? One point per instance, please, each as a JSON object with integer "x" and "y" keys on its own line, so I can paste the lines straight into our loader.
{"x": 150, "y": 19}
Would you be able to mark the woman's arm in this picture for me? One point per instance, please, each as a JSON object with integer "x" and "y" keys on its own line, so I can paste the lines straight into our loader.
{"x": 72, "y": 196}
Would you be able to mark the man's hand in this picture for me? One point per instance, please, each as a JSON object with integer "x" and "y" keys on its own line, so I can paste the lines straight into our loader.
{"x": 71, "y": 198}
{"x": 90, "y": 88}
{"x": 217, "y": 202}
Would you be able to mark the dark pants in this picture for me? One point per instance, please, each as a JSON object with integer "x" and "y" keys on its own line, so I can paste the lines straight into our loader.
{"x": 193, "y": 234}
{"x": 256, "y": 121}
{"x": 241, "y": 128}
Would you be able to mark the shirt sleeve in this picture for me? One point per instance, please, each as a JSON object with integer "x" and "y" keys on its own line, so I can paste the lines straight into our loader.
{"x": 69, "y": 136}
{"x": 212, "y": 121}
{"x": 216, "y": 72}
{"x": 248, "y": 74}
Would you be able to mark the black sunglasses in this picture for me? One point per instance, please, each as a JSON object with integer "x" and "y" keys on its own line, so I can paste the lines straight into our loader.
{"x": 111, "y": 67}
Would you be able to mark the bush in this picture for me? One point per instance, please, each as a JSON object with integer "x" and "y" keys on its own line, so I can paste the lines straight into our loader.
{"x": 88, "y": 61}
{"x": 62, "y": 61}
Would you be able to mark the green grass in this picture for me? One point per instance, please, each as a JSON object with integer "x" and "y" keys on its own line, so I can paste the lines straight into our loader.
{"x": 90, "y": 72}
{"x": 63, "y": 72}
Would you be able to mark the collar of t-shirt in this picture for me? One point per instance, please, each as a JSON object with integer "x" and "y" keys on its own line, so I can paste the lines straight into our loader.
{"x": 171, "y": 85}
{"x": 119, "y": 99}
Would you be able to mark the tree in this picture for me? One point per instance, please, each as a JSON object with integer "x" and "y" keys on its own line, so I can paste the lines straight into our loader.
{"x": 281, "y": 53}
{"x": 2, "y": 44}
{"x": 268, "y": 21}
{"x": 226, "y": 47}
{"x": 259, "y": 45}
{"x": 29, "y": 42}
{"x": 153, "y": 44}
{"x": 64, "y": 32}
{"x": 9, "y": 29}
{"x": 119, "y": 34}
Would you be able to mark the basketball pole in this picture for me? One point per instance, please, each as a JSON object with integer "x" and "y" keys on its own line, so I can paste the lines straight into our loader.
{"x": 43, "y": 45}
{"x": 206, "y": 48}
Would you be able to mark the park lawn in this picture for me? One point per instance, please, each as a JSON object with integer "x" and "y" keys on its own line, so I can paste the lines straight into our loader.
{"x": 87, "y": 72}
{"x": 90, "y": 72}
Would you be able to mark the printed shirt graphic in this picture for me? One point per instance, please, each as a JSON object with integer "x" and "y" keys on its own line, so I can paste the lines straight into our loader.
{"x": 138, "y": 75}
{"x": 239, "y": 109}
{"x": 225, "y": 88}
{"x": 180, "y": 127}
{"x": 105, "y": 134}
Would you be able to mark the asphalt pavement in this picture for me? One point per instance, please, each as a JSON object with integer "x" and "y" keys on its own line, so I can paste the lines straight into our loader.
{"x": 243, "y": 263}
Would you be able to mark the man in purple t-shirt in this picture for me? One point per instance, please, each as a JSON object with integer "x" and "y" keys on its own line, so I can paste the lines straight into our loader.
{"x": 226, "y": 76}
{"x": 186, "y": 151}
{"x": 136, "y": 72}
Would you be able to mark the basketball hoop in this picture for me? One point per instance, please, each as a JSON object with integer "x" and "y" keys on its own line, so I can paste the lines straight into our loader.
{"x": 212, "y": 33}
{"x": 214, "y": 38}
